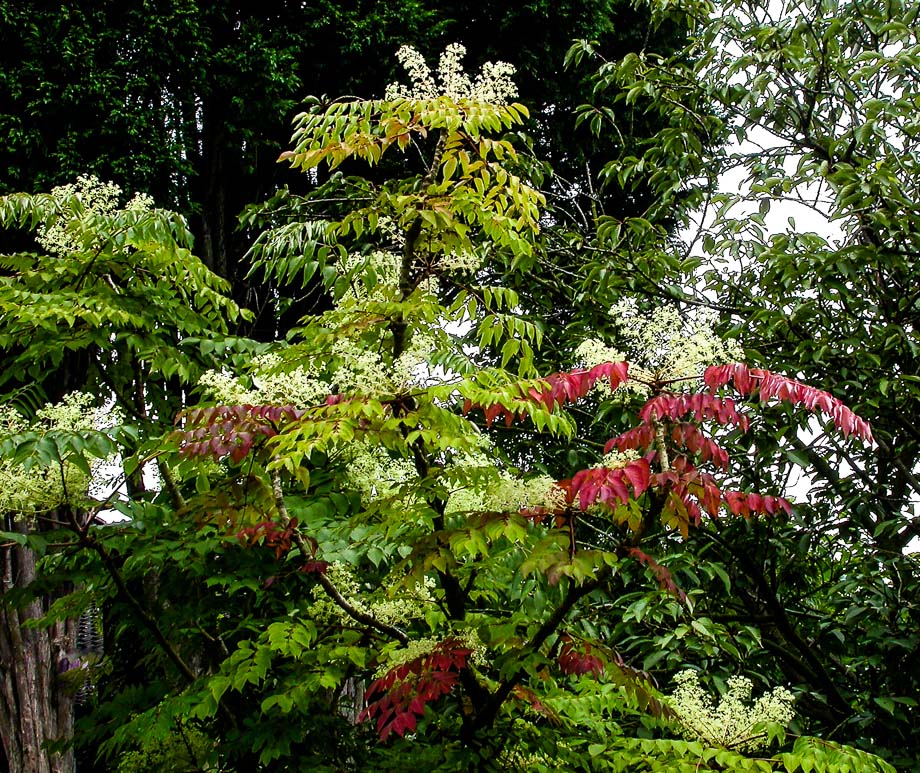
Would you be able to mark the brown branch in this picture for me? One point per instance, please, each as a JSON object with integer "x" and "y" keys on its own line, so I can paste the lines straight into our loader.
{"x": 327, "y": 584}
{"x": 146, "y": 618}
{"x": 486, "y": 716}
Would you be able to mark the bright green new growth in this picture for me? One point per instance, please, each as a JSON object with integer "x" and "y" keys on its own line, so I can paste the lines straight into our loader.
{"x": 733, "y": 723}
{"x": 80, "y": 204}
{"x": 43, "y": 487}
{"x": 110, "y": 280}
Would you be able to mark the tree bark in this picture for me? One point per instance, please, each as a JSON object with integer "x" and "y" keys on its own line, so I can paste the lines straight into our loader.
{"x": 35, "y": 709}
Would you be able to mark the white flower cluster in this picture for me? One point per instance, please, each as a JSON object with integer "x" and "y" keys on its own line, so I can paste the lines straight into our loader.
{"x": 363, "y": 370}
{"x": 66, "y": 235}
{"x": 669, "y": 346}
{"x": 735, "y": 723}
{"x": 300, "y": 387}
{"x": 410, "y": 604}
{"x": 373, "y": 472}
{"x": 617, "y": 459}
{"x": 359, "y": 370}
{"x": 460, "y": 261}
{"x": 510, "y": 494}
{"x": 503, "y": 492}
{"x": 416, "y": 648}
{"x": 382, "y": 264}
{"x": 494, "y": 83}
{"x": 592, "y": 351}
{"x": 42, "y": 489}
{"x": 386, "y": 263}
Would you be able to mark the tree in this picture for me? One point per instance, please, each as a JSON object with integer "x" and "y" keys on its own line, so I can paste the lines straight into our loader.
{"x": 393, "y": 557}
{"x": 389, "y": 548}
{"x": 191, "y": 102}
{"x": 818, "y": 98}
{"x": 109, "y": 300}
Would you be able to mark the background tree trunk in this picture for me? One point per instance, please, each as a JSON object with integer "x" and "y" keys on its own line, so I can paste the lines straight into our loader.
{"x": 35, "y": 709}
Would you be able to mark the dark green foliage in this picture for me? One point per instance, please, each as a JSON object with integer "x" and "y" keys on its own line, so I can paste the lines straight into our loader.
{"x": 820, "y": 99}
{"x": 221, "y": 654}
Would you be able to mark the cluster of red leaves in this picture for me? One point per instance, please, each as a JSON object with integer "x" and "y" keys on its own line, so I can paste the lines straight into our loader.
{"x": 686, "y": 435}
{"x": 768, "y": 386}
{"x": 576, "y": 657}
{"x": 552, "y": 391}
{"x": 273, "y": 535}
{"x": 744, "y": 504}
{"x": 662, "y": 573}
{"x": 691, "y": 491}
{"x": 400, "y": 695}
{"x": 607, "y": 486}
{"x": 688, "y": 491}
{"x": 314, "y": 567}
{"x": 701, "y": 405}
{"x": 230, "y": 430}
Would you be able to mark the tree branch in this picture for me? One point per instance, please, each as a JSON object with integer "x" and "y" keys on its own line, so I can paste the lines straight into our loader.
{"x": 486, "y": 716}
{"x": 327, "y": 584}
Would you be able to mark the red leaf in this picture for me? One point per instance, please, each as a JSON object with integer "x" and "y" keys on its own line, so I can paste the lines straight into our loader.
{"x": 552, "y": 391}
{"x": 702, "y": 406}
{"x": 746, "y": 505}
{"x": 662, "y": 573}
{"x": 576, "y": 658}
{"x": 406, "y": 690}
{"x": 603, "y": 484}
{"x": 317, "y": 567}
{"x": 767, "y": 385}
{"x": 642, "y": 436}
{"x": 230, "y": 430}
{"x": 638, "y": 473}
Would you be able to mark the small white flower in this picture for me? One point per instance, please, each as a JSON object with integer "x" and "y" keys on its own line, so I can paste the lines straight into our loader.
{"x": 482, "y": 488}
{"x": 389, "y": 607}
{"x": 44, "y": 488}
{"x": 617, "y": 459}
{"x": 668, "y": 346}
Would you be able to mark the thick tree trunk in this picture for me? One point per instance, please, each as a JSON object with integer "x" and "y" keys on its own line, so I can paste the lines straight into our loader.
{"x": 34, "y": 709}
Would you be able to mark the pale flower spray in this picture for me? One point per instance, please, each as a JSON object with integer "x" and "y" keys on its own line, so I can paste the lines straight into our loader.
{"x": 75, "y": 229}
{"x": 735, "y": 723}
{"x": 494, "y": 83}
{"x": 662, "y": 344}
